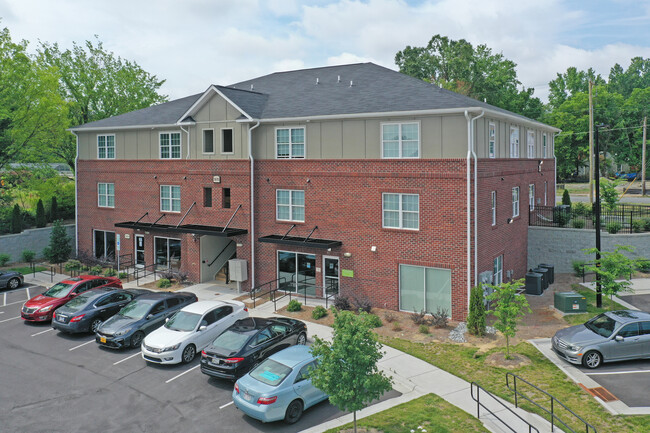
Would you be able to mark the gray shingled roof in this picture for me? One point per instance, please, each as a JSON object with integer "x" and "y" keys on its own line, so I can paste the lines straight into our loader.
{"x": 346, "y": 89}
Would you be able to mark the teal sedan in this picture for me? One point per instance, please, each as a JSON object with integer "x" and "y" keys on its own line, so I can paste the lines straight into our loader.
{"x": 279, "y": 387}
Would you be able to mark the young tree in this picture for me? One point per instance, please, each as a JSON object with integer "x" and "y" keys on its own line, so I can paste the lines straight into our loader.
{"x": 59, "y": 249}
{"x": 476, "y": 317}
{"x": 40, "y": 214}
{"x": 509, "y": 307}
{"x": 566, "y": 198}
{"x": 347, "y": 368}
{"x": 54, "y": 209}
{"x": 16, "y": 220}
{"x": 608, "y": 193}
{"x": 614, "y": 269}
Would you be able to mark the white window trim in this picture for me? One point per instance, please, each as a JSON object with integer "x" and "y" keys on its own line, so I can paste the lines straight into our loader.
{"x": 203, "y": 141}
{"x": 291, "y": 206}
{"x": 545, "y": 192}
{"x": 95, "y": 243}
{"x": 275, "y": 139}
{"x": 499, "y": 272}
{"x": 233, "y": 141}
{"x": 424, "y": 288}
{"x": 105, "y": 195}
{"x": 180, "y": 141}
{"x": 514, "y": 147}
{"x": 170, "y": 199}
{"x": 493, "y": 153}
{"x": 530, "y": 149}
{"x": 544, "y": 145}
{"x": 410, "y": 122}
{"x": 401, "y": 212}
{"x": 493, "y": 204}
{"x": 106, "y": 147}
{"x": 531, "y": 196}
{"x": 515, "y": 203}
{"x": 153, "y": 252}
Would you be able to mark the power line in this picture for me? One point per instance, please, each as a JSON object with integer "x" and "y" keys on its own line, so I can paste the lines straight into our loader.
{"x": 602, "y": 130}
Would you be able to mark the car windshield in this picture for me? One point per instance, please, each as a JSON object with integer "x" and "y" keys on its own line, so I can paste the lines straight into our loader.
{"x": 183, "y": 321}
{"x": 59, "y": 290}
{"x": 135, "y": 310}
{"x": 602, "y": 325}
{"x": 78, "y": 302}
{"x": 270, "y": 372}
{"x": 229, "y": 340}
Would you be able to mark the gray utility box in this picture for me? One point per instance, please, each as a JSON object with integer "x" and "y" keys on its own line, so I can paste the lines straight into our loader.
{"x": 544, "y": 273}
{"x": 238, "y": 269}
{"x": 570, "y": 302}
{"x": 534, "y": 283}
{"x": 551, "y": 271}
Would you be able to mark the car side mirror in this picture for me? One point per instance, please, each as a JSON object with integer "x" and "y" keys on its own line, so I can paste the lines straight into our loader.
{"x": 619, "y": 338}
{"x": 202, "y": 328}
{"x": 166, "y": 319}
{"x": 149, "y": 316}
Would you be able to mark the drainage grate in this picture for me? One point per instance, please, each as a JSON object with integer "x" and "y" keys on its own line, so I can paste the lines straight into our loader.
{"x": 601, "y": 393}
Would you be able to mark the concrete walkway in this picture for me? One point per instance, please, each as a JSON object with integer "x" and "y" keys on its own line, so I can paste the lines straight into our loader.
{"x": 412, "y": 377}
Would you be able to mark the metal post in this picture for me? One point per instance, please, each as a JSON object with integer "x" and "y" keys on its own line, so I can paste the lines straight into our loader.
{"x": 516, "y": 400}
{"x": 599, "y": 293}
{"x": 552, "y": 416}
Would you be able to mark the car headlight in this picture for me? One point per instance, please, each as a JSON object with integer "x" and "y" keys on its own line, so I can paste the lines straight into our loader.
{"x": 45, "y": 309}
{"x": 170, "y": 348}
{"x": 574, "y": 348}
{"x": 122, "y": 332}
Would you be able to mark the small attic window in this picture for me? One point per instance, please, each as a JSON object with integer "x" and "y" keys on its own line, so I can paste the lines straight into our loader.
{"x": 208, "y": 141}
{"x": 226, "y": 141}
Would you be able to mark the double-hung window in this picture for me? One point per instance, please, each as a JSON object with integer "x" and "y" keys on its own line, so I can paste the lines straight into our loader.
{"x": 497, "y": 272}
{"x": 544, "y": 151}
{"x": 106, "y": 147}
{"x": 400, "y": 140}
{"x": 530, "y": 141}
{"x": 106, "y": 194}
{"x": 170, "y": 145}
{"x": 514, "y": 142}
{"x": 492, "y": 138}
{"x": 290, "y": 143}
{"x": 170, "y": 198}
{"x": 401, "y": 211}
{"x": 515, "y": 202}
{"x": 531, "y": 196}
{"x": 494, "y": 208}
{"x": 290, "y": 205}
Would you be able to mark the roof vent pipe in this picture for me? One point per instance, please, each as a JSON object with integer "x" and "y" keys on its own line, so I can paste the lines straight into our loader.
{"x": 351, "y": 83}
{"x": 252, "y": 86}
{"x": 316, "y": 80}
{"x": 338, "y": 79}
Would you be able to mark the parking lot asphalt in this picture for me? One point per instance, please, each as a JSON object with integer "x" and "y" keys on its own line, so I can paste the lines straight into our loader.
{"x": 55, "y": 382}
{"x": 642, "y": 302}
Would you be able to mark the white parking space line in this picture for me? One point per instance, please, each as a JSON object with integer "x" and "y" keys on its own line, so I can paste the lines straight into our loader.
{"x": 127, "y": 358}
{"x": 2, "y": 312}
{"x": 185, "y": 372}
{"x": 6, "y": 320}
{"x": 42, "y": 332}
{"x": 14, "y": 303}
{"x": 81, "y": 345}
{"x": 617, "y": 372}
{"x": 227, "y": 404}
{"x": 5, "y": 300}
{"x": 28, "y": 296}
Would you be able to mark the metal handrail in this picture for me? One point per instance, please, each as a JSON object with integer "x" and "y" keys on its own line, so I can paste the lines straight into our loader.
{"x": 52, "y": 271}
{"x": 219, "y": 255}
{"x": 254, "y": 293}
{"x": 477, "y": 399}
{"x": 553, "y": 401}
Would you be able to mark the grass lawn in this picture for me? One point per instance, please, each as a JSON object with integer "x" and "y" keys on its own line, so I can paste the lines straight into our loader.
{"x": 27, "y": 270}
{"x": 430, "y": 412}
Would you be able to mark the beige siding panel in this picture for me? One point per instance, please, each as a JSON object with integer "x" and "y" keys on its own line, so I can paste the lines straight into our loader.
{"x": 231, "y": 112}
{"x": 454, "y": 137}
{"x": 129, "y": 145}
{"x": 143, "y": 145}
{"x": 431, "y": 137}
{"x": 373, "y": 139}
{"x": 261, "y": 141}
{"x": 313, "y": 140}
{"x": 480, "y": 137}
{"x": 85, "y": 146}
{"x": 332, "y": 140}
{"x": 354, "y": 139}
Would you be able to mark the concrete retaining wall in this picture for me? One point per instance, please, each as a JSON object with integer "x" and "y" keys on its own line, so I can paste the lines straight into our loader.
{"x": 561, "y": 246}
{"x": 31, "y": 239}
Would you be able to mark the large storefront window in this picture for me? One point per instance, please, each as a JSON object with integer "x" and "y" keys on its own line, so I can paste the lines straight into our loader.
{"x": 168, "y": 252}
{"x": 104, "y": 245}
{"x": 298, "y": 271}
{"x": 423, "y": 288}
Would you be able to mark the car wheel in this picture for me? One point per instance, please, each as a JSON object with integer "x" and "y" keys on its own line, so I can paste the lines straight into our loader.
{"x": 592, "y": 359}
{"x": 94, "y": 325}
{"x": 189, "y": 353}
{"x": 13, "y": 283}
{"x": 294, "y": 412}
{"x": 137, "y": 338}
{"x": 302, "y": 339}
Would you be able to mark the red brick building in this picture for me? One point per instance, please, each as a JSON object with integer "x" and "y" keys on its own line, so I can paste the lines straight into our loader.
{"x": 353, "y": 178}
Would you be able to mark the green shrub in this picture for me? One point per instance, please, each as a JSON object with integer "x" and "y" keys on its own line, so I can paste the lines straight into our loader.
{"x": 476, "y": 317}
{"x": 40, "y": 214}
{"x": 163, "y": 283}
{"x": 646, "y": 224}
{"x": 374, "y": 321}
{"x": 397, "y": 326}
{"x": 122, "y": 275}
{"x": 110, "y": 272}
{"x": 294, "y": 305}
{"x": 578, "y": 267}
{"x": 16, "y": 220}
{"x": 643, "y": 265}
{"x": 580, "y": 209}
{"x": 638, "y": 226}
{"x": 318, "y": 312}
{"x": 59, "y": 248}
{"x": 566, "y": 199}
{"x": 72, "y": 265}
{"x": 95, "y": 270}
{"x": 424, "y": 329}
{"x": 613, "y": 227}
{"x": 561, "y": 216}
{"x": 578, "y": 223}
{"x": 28, "y": 256}
{"x": 54, "y": 209}
{"x": 4, "y": 259}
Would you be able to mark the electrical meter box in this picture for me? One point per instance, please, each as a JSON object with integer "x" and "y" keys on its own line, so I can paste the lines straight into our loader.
{"x": 570, "y": 302}
{"x": 238, "y": 269}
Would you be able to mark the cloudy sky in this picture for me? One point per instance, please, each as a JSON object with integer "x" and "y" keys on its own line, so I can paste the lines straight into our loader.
{"x": 195, "y": 43}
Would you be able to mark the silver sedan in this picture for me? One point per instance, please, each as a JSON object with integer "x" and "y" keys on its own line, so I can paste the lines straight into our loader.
{"x": 11, "y": 279}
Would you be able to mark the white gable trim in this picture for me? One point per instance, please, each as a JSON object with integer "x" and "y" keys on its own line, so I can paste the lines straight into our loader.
{"x": 205, "y": 97}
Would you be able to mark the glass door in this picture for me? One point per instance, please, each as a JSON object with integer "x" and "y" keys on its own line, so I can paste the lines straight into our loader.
{"x": 330, "y": 275}
{"x": 139, "y": 251}
{"x": 298, "y": 271}
{"x": 167, "y": 252}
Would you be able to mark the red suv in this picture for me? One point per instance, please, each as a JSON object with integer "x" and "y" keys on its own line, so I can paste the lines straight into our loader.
{"x": 41, "y": 308}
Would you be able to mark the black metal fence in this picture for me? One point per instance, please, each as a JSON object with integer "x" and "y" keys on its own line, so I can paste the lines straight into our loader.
{"x": 622, "y": 219}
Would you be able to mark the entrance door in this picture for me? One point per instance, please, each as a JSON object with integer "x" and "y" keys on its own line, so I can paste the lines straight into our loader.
{"x": 298, "y": 271}
{"x": 168, "y": 252}
{"x": 139, "y": 251}
{"x": 330, "y": 275}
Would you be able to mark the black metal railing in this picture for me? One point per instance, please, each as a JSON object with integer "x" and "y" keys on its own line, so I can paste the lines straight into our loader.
{"x": 219, "y": 255}
{"x": 642, "y": 265}
{"x": 267, "y": 288}
{"x": 126, "y": 261}
{"x": 479, "y": 405}
{"x": 49, "y": 270}
{"x": 624, "y": 218}
{"x": 553, "y": 402}
{"x": 147, "y": 270}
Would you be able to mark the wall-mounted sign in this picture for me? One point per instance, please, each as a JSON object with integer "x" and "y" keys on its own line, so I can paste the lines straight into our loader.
{"x": 347, "y": 273}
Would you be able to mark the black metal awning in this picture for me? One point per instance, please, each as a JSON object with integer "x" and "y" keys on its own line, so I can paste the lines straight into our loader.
{"x": 299, "y": 241}
{"x": 185, "y": 228}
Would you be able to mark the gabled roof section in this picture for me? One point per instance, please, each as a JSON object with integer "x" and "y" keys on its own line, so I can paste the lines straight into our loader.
{"x": 249, "y": 104}
{"x": 168, "y": 113}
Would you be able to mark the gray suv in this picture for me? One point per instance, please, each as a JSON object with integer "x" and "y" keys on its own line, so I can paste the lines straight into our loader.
{"x": 608, "y": 337}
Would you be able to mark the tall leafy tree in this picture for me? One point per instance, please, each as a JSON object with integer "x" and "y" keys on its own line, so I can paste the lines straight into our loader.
{"x": 636, "y": 76}
{"x": 570, "y": 83}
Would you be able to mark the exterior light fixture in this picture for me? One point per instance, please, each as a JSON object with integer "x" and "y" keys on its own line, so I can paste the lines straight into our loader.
{"x": 373, "y": 249}
{"x": 347, "y": 254}
{"x": 510, "y": 221}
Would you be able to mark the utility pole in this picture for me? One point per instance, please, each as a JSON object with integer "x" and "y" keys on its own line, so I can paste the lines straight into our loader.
{"x": 599, "y": 293}
{"x": 643, "y": 158}
{"x": 591, "y": 143}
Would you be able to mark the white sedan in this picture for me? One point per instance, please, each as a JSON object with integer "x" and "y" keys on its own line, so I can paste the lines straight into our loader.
{"x": 190, "y": 330}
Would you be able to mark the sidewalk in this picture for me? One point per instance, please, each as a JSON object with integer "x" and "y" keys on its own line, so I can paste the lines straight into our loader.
{"x": 412, "y": 377}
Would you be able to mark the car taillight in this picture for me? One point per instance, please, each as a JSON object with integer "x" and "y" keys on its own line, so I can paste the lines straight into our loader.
{"x": 77, "y": 318}
{"x": 203, "y": 354}
{"x": 233, "y": 360}
{"x": 236, "y": 388}
{"x": 267, "y": 400}
{"x": 246, "y": 309}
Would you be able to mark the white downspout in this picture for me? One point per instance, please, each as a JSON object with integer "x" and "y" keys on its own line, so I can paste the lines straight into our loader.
{"x": 188, "y": 141}
{"x": 76, "y": 197}
{"x": 252, "y": 205}
{"x": 468, "y": 222}
{"x": 555, "y": 172}
{"x": 475, "y": 197}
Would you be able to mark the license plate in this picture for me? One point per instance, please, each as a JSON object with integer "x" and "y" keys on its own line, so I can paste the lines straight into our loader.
{"x": 60, "y": 318}
{"x": 247, "y": 396}
{"x": 102, "y": 339}
{"x": 216, "y": 360}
